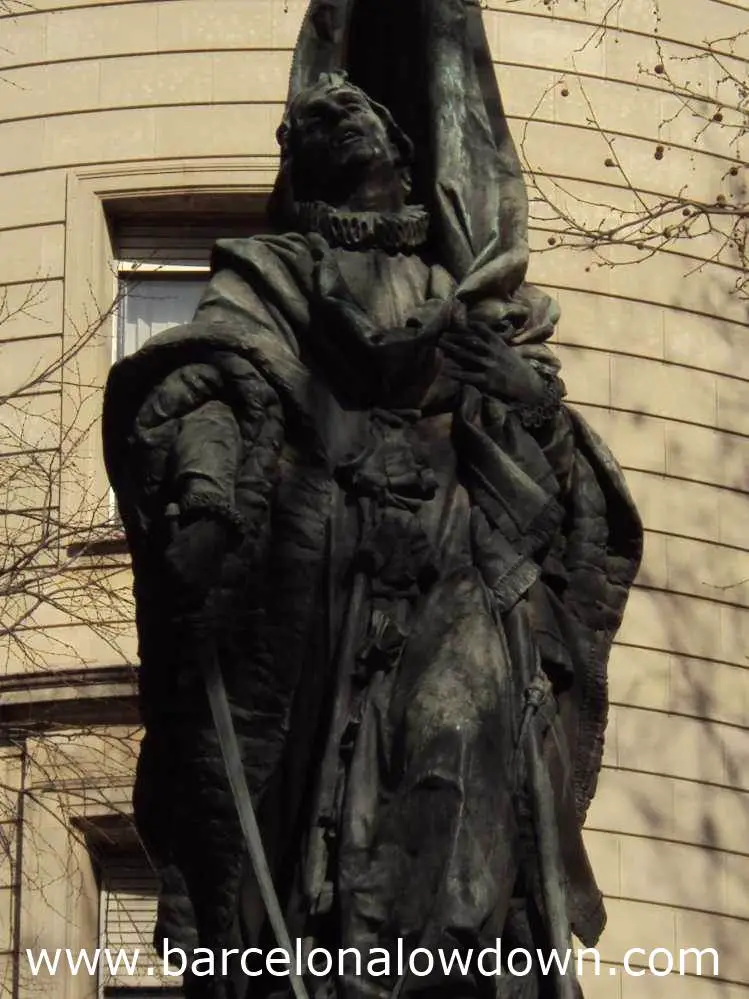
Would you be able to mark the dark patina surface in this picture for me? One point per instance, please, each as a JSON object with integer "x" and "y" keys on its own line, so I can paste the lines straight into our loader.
{"x": 354, "y": 483}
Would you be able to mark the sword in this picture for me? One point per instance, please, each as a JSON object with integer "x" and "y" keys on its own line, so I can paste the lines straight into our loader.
{"x": 232, "y": 757}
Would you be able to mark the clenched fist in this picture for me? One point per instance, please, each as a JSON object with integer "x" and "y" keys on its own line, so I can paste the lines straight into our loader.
{"x": 194, "y": 557}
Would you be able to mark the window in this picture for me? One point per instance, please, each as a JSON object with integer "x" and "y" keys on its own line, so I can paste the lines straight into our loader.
{"x": 128, "y": 898}
{"x": 162, "y": 247}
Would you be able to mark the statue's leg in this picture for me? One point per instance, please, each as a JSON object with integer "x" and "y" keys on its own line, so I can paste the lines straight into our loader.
{"x": 431, "y": 853}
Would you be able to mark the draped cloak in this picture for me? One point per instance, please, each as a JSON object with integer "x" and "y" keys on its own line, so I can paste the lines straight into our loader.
{"x": 411, "y": 557}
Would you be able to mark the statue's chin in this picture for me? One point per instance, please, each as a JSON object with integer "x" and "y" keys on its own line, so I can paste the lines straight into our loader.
{"x": 346, "y": 166}
{"x": 356, "y": 149}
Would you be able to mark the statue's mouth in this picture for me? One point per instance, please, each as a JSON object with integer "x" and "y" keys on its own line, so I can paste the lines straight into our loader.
{"x": 347, "y": 134}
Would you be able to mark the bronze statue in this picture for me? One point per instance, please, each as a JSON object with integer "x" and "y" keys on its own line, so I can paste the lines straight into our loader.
{"x": 352, "y": 483}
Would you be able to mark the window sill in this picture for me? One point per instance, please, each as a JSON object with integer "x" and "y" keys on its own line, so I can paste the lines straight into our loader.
{"x": 115, "y": 545}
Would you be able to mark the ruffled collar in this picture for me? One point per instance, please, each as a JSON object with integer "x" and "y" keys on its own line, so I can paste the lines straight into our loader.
{"x": 395, "y": 232}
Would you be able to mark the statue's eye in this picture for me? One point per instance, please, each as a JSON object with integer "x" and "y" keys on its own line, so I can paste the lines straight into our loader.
{"x": 318, "y": 113}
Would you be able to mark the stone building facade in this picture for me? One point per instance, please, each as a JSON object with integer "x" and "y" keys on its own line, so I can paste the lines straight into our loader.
{"x": 132, "y": 132}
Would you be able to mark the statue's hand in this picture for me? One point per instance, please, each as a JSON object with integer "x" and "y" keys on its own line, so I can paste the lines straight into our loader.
{"x": 479, "y": 355}
{"x": 435, "y": 317}
{"x": 194, "y": 557}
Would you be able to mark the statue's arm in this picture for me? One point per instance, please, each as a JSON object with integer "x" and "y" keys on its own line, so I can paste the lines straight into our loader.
{"x": 206, "y": 457}
{"x": 200, "y": 427}
{"x": 203, "y": 518}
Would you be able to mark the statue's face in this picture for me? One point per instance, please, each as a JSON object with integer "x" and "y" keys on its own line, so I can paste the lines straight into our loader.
{"x": 335, "y": 136}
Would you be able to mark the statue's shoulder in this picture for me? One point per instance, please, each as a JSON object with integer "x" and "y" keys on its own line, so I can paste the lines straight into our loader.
{"x": 263, "y": 253}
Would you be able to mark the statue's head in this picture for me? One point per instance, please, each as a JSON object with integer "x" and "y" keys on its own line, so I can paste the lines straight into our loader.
{"x": 334, "y": 137}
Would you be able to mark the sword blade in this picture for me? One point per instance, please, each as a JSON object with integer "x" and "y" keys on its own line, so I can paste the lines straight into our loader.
{"x": 232, "y": 757}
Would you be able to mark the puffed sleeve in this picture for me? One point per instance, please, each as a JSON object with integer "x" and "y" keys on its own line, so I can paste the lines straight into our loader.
{"x": 206, "y": 456}
{"x": 203, "y": 443}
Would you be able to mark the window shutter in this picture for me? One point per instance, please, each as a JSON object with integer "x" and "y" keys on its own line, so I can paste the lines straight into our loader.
{"x": 179, "y": 229}
{"x": 173, "y": 242}
{"x": 129, "y": 897}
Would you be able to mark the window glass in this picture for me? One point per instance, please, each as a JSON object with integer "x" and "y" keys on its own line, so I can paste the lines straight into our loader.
{"x": 149, "y": 305}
